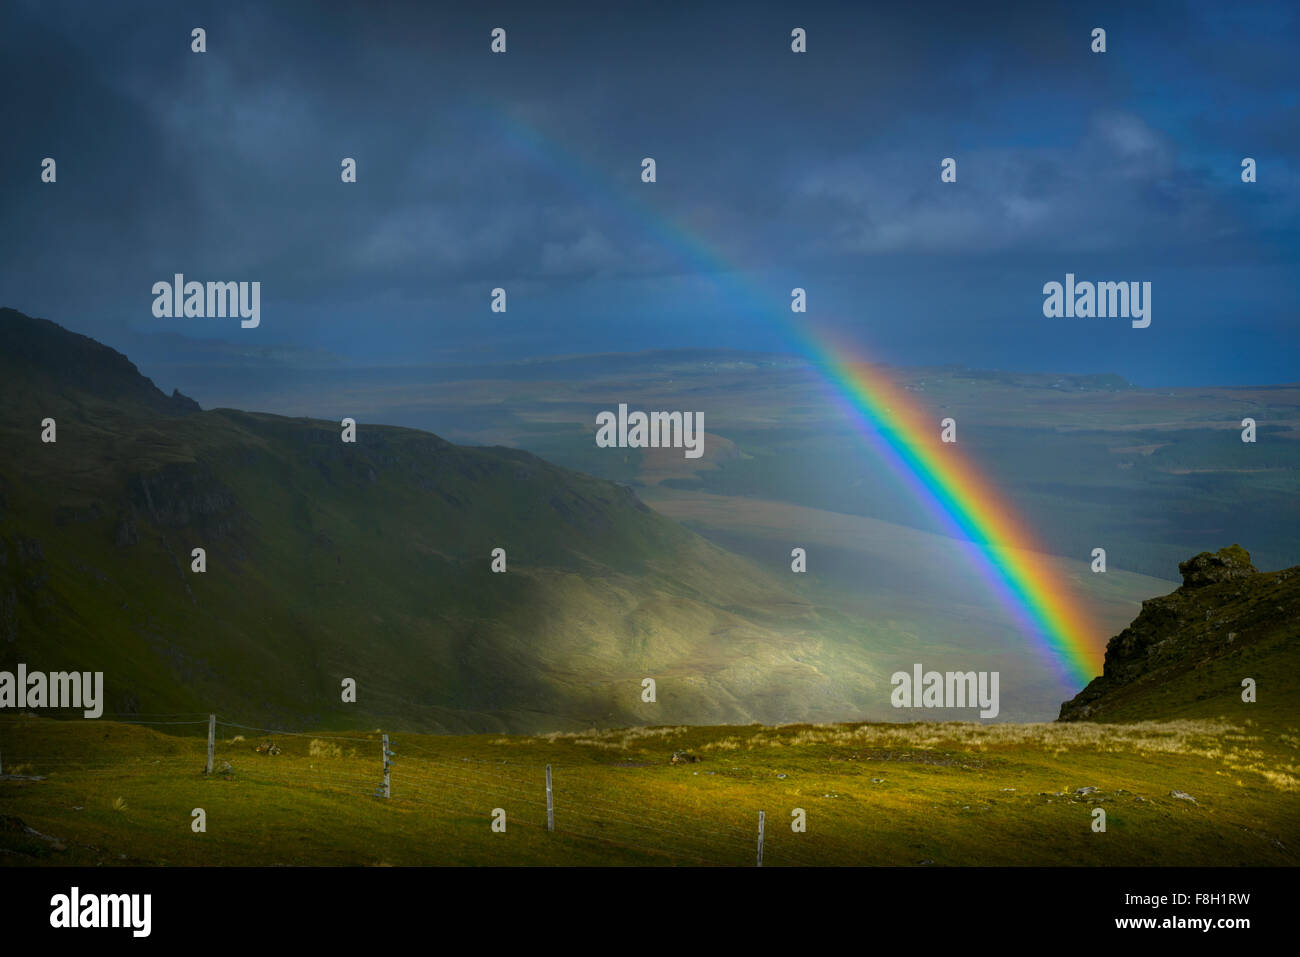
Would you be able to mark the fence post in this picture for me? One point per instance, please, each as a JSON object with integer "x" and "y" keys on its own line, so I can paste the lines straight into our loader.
{"x": 212, "y": 740}
{"x": 760, "y": 839}
{"x": 387, "y": 789}
{"x": 550, "y": 802}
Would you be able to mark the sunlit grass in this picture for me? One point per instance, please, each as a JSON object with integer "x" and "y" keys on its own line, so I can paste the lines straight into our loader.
{"x": 894, "y": 794}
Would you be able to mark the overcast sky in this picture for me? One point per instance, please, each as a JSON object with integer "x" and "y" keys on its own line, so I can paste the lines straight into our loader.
{"x": 775, "y": 169}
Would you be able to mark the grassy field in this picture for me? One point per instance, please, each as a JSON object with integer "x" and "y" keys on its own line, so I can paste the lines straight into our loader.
{"x": 874, "y": 794}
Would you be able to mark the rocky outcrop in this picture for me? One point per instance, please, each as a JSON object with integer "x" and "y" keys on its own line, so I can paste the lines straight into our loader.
{"x": 186, "y": 495}
{"x": 1224, "y": 605}
{"x": 1224, "y": 565}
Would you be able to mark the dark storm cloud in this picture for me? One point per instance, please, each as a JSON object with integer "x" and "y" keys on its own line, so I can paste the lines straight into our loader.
{"x": 523, "y": 170}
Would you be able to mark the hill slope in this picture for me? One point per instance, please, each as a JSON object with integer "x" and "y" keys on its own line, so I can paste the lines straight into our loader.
{"x": 1187, "y": 653}
{"x": 370, "y": 561}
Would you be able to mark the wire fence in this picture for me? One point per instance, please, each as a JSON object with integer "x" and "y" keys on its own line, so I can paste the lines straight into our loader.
{"x": 588, "y": 804}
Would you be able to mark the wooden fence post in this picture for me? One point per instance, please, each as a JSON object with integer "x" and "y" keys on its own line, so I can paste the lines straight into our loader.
{"x": 550, "y": 802}
{"x": 760, "y": 838}
{"x": 212, "y": 740}
{"x": 387, "y": 789}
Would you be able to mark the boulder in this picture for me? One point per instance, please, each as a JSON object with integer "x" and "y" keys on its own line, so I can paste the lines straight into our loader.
{"x": 1212, "y": 568}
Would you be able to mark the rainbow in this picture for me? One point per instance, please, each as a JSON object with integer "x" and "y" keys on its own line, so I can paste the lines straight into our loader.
{"x": 907, "y": 436}
{"x": 898, "y": 427}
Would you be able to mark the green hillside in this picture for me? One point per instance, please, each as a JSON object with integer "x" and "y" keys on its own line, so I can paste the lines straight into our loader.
{"x": 369, "y": 561}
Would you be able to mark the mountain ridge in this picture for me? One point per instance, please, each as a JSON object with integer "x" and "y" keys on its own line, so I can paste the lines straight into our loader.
{"x": 70, "y": 360}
